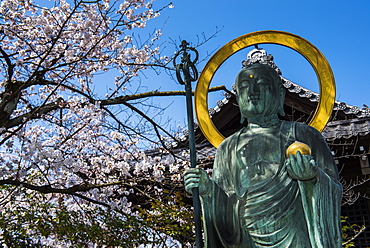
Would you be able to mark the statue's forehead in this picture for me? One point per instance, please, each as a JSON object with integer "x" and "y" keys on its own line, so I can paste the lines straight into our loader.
{"x": 254, "y": 73}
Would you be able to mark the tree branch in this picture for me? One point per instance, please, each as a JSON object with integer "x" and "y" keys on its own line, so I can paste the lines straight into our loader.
{"x": 41, "y": 110}
{"x": 357, "y": 233}
{"x": 124, "y": 99}
{"x": 47, "y": 189}
{"x": 33, "y": 114}
{"x": 10, "y": 65}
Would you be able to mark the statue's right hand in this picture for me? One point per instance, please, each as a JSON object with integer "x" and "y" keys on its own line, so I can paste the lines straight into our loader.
{"x": 197, "y": 177}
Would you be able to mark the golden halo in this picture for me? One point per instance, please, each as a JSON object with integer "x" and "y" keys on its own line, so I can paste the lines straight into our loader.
{"x": 306, "y": 49}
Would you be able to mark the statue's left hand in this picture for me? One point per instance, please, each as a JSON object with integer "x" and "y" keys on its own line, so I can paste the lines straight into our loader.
{"x": 301, "y": 167}
{"x": 197, "y": 177}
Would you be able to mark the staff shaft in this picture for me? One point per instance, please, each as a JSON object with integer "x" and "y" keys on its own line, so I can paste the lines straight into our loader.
{"x": 193, "y": 163}
{"x": 186, "y": 72}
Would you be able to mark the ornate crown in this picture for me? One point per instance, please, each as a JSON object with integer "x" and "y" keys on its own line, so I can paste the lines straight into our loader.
{"x": 259, "y": 55}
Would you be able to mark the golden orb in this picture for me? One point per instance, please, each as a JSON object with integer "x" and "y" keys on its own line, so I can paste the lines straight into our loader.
{"x": 298, "y": 146}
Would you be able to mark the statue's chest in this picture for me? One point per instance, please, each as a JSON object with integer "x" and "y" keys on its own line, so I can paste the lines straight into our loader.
{"x": 258, "y": 157}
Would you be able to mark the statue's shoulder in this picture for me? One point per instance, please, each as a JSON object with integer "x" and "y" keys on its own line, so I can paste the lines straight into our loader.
{"x": 229, "y": 141}
{"x": 303, "y": 132}
{"x": 304, "y": 128}
{"x": 300, "y": 127}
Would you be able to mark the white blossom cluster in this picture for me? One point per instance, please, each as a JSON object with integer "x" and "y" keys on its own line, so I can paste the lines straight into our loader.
{"x": 50, "y": 55}
{"x": 74, "y": 41}
{"x": 86, "y": 152}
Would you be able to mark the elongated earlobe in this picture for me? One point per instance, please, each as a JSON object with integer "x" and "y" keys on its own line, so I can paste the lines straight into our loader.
{"x": 281, "y": 102}
{"x": 242, "y": 118}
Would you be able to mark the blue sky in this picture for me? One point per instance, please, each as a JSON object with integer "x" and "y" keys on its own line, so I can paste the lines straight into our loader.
{"x": 339, "y": 29}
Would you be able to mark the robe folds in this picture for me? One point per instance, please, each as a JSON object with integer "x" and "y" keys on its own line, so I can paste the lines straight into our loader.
{"x": 254, "y": 203}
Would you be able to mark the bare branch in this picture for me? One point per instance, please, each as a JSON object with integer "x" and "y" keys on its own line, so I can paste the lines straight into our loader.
{"x": 357, "y": 233}
{"x": 47, "y": 189}
{"x": 124, "y": 99}
{"x": 9, "y": 63}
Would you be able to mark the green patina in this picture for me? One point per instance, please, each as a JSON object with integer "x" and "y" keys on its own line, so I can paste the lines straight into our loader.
{"x": 259, "y": 198}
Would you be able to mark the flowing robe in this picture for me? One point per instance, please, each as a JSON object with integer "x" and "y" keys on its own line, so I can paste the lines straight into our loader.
{"x": 254, "y": 203}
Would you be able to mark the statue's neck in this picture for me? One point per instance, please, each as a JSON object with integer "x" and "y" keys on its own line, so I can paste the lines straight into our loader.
{"x": 263, "y": 121}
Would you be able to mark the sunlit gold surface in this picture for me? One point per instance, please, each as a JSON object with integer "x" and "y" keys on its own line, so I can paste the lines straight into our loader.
{"x": 305, "y": 48}
{"x": 298, "y": 146}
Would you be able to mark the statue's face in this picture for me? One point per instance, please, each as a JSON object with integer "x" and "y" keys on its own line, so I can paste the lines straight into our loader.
{"x": 257, "y": 92}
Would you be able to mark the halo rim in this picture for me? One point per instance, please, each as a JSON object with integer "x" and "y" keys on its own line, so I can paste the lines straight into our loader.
{"x": 303, "y": 47}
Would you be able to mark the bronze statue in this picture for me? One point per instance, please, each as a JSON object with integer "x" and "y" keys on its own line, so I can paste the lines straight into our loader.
{"x": 257, "y": 196}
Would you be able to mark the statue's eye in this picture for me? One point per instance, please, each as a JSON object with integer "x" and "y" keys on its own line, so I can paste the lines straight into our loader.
{"x": 244, "y": 84}
{"x": 263, "y": 82}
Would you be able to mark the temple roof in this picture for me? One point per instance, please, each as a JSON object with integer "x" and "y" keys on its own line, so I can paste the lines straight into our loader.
{"x": 347, "y": 120}
{"x": 300, "y": 104}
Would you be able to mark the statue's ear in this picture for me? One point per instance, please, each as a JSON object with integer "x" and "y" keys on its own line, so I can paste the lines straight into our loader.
{"x": 281, "y": 101}
{"x": 242, "y": 118}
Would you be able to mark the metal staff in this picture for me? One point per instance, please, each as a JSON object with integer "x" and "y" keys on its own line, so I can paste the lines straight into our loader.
{"x": 186, "y": 72}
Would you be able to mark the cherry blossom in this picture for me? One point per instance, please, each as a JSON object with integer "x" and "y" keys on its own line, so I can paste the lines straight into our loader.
{"x": 69, "y": 150}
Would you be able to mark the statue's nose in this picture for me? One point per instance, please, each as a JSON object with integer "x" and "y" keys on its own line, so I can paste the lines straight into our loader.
{"x": 254, "y": 89}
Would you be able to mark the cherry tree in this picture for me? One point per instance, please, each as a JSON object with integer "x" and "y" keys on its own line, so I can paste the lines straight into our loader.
{"x": 73, "y": 171}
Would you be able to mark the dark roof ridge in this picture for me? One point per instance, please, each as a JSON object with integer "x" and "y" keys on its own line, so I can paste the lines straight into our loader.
{"x": 304, "y": 93}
